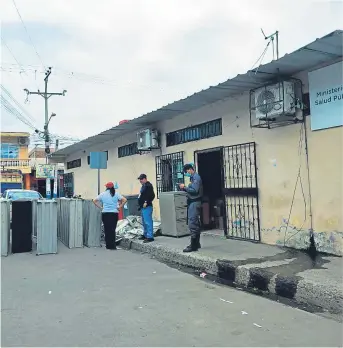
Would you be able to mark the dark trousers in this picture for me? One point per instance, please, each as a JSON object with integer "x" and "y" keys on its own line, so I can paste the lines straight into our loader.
{"x": 194, "y": 225}
{"x": 110, "y": 224}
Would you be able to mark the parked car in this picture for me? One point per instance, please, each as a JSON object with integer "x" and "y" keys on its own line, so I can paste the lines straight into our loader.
{"x": 15, "y": 195}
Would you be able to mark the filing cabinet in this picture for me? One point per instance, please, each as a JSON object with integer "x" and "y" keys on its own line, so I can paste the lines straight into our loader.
{"x": 173, "y": 210}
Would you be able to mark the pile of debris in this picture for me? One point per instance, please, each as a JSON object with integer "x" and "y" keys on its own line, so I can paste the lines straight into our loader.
{"x": 132, "y": 227}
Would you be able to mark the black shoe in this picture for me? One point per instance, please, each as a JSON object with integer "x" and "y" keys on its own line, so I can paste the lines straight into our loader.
{"x": 142, "y": 237}
{"x": 192, "y": 247}
{"x": 199, "y": 245}
{"x": 148, "y": 240}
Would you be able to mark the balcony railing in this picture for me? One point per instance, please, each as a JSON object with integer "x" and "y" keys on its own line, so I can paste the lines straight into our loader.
{"x": 14, "y": 163}
{"x": 5, "y": 177}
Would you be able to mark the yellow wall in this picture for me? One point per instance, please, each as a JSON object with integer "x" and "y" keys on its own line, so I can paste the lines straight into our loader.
{"x": 279, "y": 160}
{"x": 23, "y": 152}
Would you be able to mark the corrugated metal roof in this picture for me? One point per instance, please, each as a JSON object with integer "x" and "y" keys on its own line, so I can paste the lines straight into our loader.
{"x": 320, "y": 51}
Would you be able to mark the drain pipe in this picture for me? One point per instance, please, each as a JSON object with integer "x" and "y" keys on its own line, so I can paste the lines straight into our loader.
{"x": 312, "y": 250}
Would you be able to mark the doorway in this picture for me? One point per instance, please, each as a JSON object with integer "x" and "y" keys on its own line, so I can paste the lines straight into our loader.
{"x": 209, "y": 165}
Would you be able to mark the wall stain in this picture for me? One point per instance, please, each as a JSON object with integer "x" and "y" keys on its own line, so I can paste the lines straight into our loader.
{"x": 293, "y": 236}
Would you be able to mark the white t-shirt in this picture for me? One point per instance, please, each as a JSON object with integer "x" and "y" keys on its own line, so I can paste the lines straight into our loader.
{"x": 109, "y": 203}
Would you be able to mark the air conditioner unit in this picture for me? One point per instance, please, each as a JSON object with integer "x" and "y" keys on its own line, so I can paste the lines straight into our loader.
{"x": 23, "y": 141}
{"x": 147, "y": 139}
{"x": 275, "y": 100}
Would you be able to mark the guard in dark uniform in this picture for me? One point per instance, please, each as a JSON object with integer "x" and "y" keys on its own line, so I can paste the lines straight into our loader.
{"x": 194, "y": 197}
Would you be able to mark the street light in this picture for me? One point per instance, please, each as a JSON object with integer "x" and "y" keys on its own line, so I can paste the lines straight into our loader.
{"x": 52, "y": 115}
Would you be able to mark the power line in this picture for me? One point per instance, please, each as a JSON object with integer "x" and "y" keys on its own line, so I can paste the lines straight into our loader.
{"x": 27, "y": 32}
{"x": 76, "y": 75}
{"x": 37, "y": 135}
{"x": 17, "y": 103}
{"x": 10, "y": 51}
{"x": 12, "y": 110}
{"x": 22, "y": 70}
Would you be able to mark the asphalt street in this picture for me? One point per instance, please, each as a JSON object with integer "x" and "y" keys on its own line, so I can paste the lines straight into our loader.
{"x": 98, "y": 298}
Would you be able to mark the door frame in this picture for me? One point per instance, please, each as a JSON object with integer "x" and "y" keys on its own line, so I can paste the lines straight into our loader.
{"x": 221, "y": 150}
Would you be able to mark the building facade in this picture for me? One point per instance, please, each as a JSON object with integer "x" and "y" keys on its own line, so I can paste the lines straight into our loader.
{"x": 280, "y": 185}
{"x": 38, "y": 158}
{"x": 15, "y": 163}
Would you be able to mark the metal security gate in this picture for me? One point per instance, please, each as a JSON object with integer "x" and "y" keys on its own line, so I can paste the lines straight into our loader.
{"x": 241, "y": 192}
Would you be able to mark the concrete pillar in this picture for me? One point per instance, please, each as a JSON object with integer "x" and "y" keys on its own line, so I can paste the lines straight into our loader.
{"x": 27, "y": 181}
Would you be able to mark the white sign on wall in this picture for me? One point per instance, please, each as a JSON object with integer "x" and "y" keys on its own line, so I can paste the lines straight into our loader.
{"x": 326, "y": 96}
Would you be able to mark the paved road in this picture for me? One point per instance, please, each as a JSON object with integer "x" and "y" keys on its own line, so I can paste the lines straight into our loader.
{"x": 94, "y": 297}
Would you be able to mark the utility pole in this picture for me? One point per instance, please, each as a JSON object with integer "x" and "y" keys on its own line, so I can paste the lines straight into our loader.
{"x": 46, "y": 95}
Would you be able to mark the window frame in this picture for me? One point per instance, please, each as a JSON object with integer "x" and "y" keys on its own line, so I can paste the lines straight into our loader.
{"x": 76, "y": 163}
{"x": 128, "y": 150}
{"x": 194, "y": 133}
{"x": 177, "y": 176}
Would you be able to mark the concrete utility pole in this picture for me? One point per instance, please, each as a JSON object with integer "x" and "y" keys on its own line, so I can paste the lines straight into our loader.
{"x": 46, "y": 95}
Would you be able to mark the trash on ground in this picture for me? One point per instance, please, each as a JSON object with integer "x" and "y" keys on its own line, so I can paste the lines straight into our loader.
{"x": 221, "y": 299}
{"x": 244, "y": 313}
{"x": 203, "y": 275}
{"x": 49, "y": 292}
{"x": 257, "y": 325}
{"x": 132, "y": 227}
{"x": 154, "y": 272}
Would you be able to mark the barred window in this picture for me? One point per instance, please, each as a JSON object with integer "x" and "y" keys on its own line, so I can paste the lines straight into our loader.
{"x": 128, "y": 150}
{"x": 169, "y": 172}
{"x": 74, "y": 164}
{"x": 201, "y": 131}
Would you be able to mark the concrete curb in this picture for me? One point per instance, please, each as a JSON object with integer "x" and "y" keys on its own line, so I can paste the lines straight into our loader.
{"x": 255, "y": 277}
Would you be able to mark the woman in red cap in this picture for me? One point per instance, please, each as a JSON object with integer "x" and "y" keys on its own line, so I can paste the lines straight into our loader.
{"x": 110, "y": 202}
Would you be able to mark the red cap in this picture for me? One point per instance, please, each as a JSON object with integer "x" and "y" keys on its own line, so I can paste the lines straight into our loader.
{"x": 109, "y": 185}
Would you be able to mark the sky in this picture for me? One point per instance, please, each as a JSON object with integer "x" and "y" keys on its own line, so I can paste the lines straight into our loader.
{"x": 119, "y": 59}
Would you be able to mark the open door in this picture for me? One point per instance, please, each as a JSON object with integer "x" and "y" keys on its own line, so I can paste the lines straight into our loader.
{"x": 209, "y": 165}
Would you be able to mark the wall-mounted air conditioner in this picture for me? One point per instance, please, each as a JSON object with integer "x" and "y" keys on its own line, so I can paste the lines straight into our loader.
{"x": 23, "y": 141}
{"x": 147, "y": 139}
{"x": 275, "y": 100}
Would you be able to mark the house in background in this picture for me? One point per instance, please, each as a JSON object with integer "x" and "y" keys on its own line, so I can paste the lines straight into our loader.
{"x": 15, "y": 163}
{"x": 267, "y": 144}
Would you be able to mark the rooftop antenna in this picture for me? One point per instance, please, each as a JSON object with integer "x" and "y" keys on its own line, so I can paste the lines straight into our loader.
{"x": 271, "y": 38}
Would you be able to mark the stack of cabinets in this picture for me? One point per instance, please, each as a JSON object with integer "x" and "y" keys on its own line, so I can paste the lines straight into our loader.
{"x": 173, "y": 210}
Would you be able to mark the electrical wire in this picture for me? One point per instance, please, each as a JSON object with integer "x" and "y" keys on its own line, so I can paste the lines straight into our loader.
{"x": 298, "y": 180}
{"x": 83, "y": 77}
{"x": 260, "y": 58}
{"x": 27, "y": 32}
{"x": 9, "y": 50}
{"x": 17, "y": 103}
{"x": 7, "y": 101}
{"x": 14, "y": 112}
{"x": 22, "y": 70}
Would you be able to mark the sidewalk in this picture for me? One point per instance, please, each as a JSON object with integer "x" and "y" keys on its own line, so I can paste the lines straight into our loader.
{"x": 270, "y": 270}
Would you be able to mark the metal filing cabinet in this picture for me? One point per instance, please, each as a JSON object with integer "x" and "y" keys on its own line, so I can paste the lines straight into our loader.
{"x": 173, "y": 210}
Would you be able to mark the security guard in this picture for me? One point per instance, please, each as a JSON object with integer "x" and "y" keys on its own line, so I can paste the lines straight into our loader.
{"x": 194, "y": 196}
